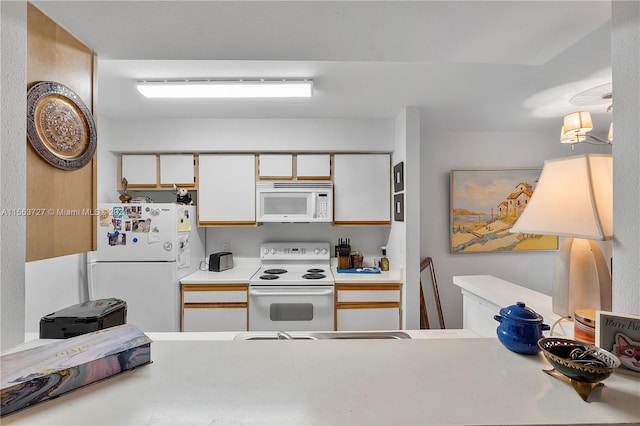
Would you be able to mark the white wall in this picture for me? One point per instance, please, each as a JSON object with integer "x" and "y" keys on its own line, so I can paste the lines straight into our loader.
{"x": 13, "y": 81}
{"x": 626, "y": 156}
{"x": 254, "y": 135}
{"x": 403, "y": 246}
{"x": 442, "y": 152}
{"x": 245, "y": 242}
{"x": 53, "y": 284}
{"x": 107, "y": 164}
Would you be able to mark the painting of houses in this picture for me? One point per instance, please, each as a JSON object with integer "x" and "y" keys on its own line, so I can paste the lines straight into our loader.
{"x": 484, "y": 206}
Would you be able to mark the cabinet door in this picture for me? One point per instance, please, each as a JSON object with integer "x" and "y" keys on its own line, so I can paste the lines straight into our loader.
{"x": 362, "y": 189}
{"x": 226, "y": 189}
{"x": 313, "y": 166}
{"x": 276, "y": 166}
{"x": 176, "y": 169}
{"x": 368, "y": 307}
{"x": 140, "y": 170}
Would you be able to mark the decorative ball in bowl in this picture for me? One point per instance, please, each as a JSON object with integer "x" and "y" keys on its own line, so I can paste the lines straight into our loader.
{"x": 578, "y": 361}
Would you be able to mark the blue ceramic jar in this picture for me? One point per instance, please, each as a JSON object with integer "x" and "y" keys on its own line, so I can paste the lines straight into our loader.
{"x": 520, "y": 328}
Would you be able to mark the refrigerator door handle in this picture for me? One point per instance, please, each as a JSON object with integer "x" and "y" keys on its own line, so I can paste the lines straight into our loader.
{"x": 90, "y": 266}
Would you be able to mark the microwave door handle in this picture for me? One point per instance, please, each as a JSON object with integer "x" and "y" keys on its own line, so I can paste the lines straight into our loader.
{"x": 314, "y": 211}
{"x": 310, "y": 292}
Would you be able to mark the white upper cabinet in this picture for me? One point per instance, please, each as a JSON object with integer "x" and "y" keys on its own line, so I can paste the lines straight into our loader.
{"x": 276, "y": 166}
{"x": 226, "y": 189}
{"x": 362, "y": 189}
{"x": 140, "y": 170}
{"x": 153, "y": 171}
{"x": 176, "y": 169}
{"x": 313, "y": 166}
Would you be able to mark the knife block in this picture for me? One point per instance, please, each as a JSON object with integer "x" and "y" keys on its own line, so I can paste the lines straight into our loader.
{"x": 344, "y": 261}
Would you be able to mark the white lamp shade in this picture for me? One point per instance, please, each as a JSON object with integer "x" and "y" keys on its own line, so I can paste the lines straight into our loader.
{"x": 578, "y": 122}
{"x": 571, "y": 137}
{"x": 573, "y": 198}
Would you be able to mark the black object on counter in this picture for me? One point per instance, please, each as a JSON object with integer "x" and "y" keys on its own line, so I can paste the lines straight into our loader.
{"x": 220, "y": 261}
{"x": 83, "y": 318}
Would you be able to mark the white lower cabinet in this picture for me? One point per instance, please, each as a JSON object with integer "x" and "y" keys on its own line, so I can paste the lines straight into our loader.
{"x": 214, "y": 307}
{"x": 368, "y": 307}
{"x": 483, "y": 296}
{"x": 478, "y": 313}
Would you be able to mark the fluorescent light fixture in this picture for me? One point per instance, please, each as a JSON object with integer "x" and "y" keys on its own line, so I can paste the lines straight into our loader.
{"x": 203, "y": 88}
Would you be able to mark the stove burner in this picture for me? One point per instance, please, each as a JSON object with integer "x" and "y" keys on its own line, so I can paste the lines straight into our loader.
{"x": 275, "y": 271}
{"x": 269, "y": 277}
{"x": 313, "y": 276}
{"x": 315, "y": 270}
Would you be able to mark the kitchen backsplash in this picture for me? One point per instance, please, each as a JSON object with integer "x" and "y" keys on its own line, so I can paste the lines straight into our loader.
{"x": 245, "y": 242}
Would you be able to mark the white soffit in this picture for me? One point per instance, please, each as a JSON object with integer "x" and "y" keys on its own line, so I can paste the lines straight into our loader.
{"x": 499, "y": 32}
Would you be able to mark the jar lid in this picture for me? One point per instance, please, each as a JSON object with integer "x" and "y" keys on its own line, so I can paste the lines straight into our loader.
{"x": 587, "y": 316}
{"x": 520, "y": 312}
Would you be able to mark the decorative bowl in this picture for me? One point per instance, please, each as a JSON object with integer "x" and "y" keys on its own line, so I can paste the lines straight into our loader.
{"x": 578, "y": 361}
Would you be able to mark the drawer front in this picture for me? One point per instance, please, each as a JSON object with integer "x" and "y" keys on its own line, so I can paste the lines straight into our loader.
{"x": 214, "y": 319}
{"x": 215, "y": 296}
{"x": 367, "y": 319}
{"x": 369, "y": 296}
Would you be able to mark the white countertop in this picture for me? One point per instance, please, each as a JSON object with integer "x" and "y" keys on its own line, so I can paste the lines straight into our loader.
{"x": 420, "y": 381}
{"x": 394, "y": 275}
{"x": 243, "y": 269}
{"x": 233, "y": 275}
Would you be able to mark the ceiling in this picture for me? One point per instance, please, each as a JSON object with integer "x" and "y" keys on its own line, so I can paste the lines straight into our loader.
{"x": 476, "y": 65}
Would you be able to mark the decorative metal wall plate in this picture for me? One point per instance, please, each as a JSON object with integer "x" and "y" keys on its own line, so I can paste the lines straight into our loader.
{"x": 60, "y": 127}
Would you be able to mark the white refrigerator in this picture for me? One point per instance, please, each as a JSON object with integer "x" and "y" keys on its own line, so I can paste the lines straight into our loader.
{"x": 143, "y": 251}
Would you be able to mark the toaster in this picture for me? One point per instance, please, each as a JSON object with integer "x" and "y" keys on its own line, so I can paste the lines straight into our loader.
{"x": 220, "y": 261}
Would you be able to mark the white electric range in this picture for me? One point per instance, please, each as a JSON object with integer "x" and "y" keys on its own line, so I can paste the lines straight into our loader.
{"x": 294, "y": 288}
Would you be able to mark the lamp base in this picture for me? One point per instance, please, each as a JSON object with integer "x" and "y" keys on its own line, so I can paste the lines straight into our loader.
{"x": 581, "y": 278}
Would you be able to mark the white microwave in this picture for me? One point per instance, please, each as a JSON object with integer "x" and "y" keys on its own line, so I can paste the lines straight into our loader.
{"x": 294, "y": 201}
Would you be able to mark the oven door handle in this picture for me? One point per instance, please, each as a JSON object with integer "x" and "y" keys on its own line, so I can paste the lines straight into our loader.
{"x": 310, "y": 292}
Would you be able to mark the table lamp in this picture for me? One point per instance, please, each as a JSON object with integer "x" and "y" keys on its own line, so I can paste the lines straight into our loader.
{"x": 574, "y": 198}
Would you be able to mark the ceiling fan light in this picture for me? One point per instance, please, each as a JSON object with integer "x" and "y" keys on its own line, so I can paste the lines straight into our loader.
{"x": 578, "y": 122}
{"x": 571, "y": 138}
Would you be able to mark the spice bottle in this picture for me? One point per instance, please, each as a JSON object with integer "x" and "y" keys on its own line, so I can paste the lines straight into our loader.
{"x": 384, "y": 262}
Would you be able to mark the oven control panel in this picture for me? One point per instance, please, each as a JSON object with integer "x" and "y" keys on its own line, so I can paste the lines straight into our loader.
{"x": 295, "y": 251}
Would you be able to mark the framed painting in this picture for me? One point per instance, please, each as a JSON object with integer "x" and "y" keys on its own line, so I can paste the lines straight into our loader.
{"x": 484, "y": 205}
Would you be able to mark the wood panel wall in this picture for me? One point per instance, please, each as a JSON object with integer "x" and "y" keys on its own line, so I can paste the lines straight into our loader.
{"x": 55, "y": 55}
